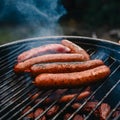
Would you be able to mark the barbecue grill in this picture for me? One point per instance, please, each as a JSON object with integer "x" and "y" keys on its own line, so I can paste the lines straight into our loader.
{"x": 16, "y": 90}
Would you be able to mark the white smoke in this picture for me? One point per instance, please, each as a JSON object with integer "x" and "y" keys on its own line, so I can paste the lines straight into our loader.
{"x": 41, "y": 15}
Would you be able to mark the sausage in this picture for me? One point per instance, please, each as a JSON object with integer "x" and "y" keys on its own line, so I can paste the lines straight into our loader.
{"x": 78, "y": 117}
{"x": 62, "y": 67}
{"x": 67, "y": 98}
{"x": 71, "y": 80}
{"x": 65, "y": 57}
{"x": 52, "y": 111}
{"x": 39, "y": 111}
{"x": 49, "y": 48}
{"x": 75, "y": 48}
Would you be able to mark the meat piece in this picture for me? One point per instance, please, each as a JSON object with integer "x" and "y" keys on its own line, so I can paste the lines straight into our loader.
{"x": 71, "y": 80}
{"x": 67, "y": 98}
{"x": 30, "y": 115}
{"x": 104, "y": 111}
{"x": 35, "y": 96}
{"x": 66, "y": 116}
{"x": 49, "y": 48}
{"x": 62, "y": 67}
{"x": 76, "y": 106}
{"x": 22, "y": 66}
{"x": 89, "y": 106}
{"x": 75, "y": 48}
{"x": 78, "y": 117}
{"x": 37, "y": 112}
{"x": 52, "y": 111}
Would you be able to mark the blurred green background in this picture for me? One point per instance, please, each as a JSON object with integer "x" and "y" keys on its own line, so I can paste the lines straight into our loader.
{"x": 91, "y": 18}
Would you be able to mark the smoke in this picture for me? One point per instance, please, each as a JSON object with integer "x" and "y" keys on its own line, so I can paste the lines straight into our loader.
{"x": 41, "y": 15}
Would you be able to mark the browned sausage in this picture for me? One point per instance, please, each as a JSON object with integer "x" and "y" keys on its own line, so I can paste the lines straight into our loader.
{"x": 22, "y": 66}
{"x": 75, "y": 48}
{"x": 61, "y": 67}
{"x": 75, "y": 79}
{"x": 82, "y": 95}
{"x": 54, "y": 48}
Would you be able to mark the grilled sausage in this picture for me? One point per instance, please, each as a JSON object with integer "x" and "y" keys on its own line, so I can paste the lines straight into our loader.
{"x": 50, "y": 48}
{"x": 71, "y": 80}
{"x": 22, "y": 66}
{"x": 75, "y": 48}
{"x": 61, "y": 67}
{"x": 67, "y": 98}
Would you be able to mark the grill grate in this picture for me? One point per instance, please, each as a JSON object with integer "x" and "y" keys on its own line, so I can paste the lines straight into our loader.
{"x": 16, "y": 91}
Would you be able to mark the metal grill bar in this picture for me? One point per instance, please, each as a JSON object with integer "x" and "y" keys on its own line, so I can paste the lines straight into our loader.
{"x": 46, "y": 110}
{"x": 18, "y": 98}
{"x": 22, "y": 108}
{"x": 61, "y": 109}
{"x": 67, "y": 105}
{"x": 117, "y": 118}
{"x": 9, "y": 79}
{"x": 17, "y": 93}
{"x": 94, "y": 92}
{"x": 8, "y": 66}
{"x": 12, "y": 47}
{"x": 6, "y": 73}
{"x": 9, "y": 59}
{"x": 12, "y": 53}
{"x": 41, "y": 102}
{"x": 14, "y": 89}
{"x": 113, "y": 110}
{"x": 18, "y": 105}
{"x": 22, "y": 116}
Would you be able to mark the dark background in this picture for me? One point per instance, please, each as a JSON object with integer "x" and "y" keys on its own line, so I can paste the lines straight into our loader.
{"x": 92, "y": 18}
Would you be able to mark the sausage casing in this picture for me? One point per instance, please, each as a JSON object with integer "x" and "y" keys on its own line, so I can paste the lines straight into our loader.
{"x": 65, "y": 57}
{"x": 75, "y": 48}
{"x": 62, "y": 67}
{"x": 71, "y": 80}
{"x": 49, "y": 48}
